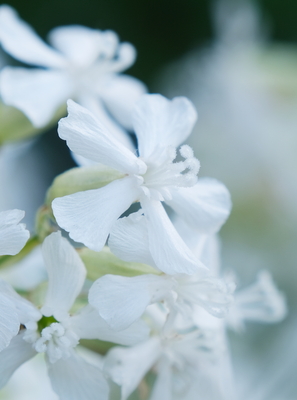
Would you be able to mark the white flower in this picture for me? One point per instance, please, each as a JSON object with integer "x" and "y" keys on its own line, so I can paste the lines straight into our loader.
{"x": 122, "y": 300}
{"x": 189, "y": 365}
{"x": 161, "y": 126}
{"x": 83, "y": 64}
{"x": 261, "y": 302}
{"x": 13, "y": 235}
{"x": 54, "y": 331}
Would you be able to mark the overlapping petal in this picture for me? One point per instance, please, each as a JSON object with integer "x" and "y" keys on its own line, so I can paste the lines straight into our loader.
{"x": 36, "y": 92}
{"x": 88, "y": 324}
{"x": 9, "y": 321}
{"x": 13, "y": 235}
{"x": 25, "y": 309}
{"x": 14, "y": 356}
{"x": 88, "y": 138}
{"x": 19, "y": 40}
{"x": 76, "y": 379}
{"x": 159, "y": 122}
{"x": 120, "y": 300}
{"x": 119, "y": 93}
{"x": 169, "y": 251}
{"x": 129, "y": 241}
{"x": 88, "y": 216}
{"x": 66, "y": 275}
{"x": 205, "y": 206}
{"x": 127, "y": 366}
{"x": 83, "y": 45}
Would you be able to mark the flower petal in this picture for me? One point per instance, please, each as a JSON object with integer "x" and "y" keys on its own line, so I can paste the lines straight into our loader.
{"x": 76, "y": 379}
{"x": 98, "y": 109}
{"x": 120, "y": 300}
{"x": 66, "y": 275}
{"x": 161, "y": 122}
{"x": 36, "y": 92}
{"x": 89, "y": 325}
{"x": 168, "y": 250}
{"x": 88, "y": 216}
{"x": 9, "y": 321}
{"x": 162, "y": 388}
{"x": 261, "y": 302}
{"x": 83, "y": 45}
{"x": 205, "y": 206}
{"x": 119, "y": 93}
{"x": 26, "y": 274}
{"x": 13, "y": 236}
{"x": 26, "y": 311}
{"x": 87, "y": 137}
{"x": 127, "y": 366}
{"x": 128, "y": 239}
{"x": 13, "y": 357}
{"x": 20, "y": 41}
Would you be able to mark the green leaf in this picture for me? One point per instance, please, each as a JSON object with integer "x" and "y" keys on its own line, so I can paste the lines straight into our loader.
{"x": 6, "y": 261}
{"x": 16, "y": 126}
{"x": 104, "y": 262}
{"x": 79, "y": 179}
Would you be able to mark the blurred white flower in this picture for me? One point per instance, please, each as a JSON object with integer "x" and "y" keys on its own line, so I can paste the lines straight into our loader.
{"x": 84, "y": 64}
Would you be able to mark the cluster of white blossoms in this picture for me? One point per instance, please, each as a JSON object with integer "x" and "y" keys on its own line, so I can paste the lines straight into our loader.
{"x": 168, "y": 306}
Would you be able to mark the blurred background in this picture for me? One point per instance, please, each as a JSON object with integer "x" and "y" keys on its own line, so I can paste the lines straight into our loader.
{"x": 237, "y": 61}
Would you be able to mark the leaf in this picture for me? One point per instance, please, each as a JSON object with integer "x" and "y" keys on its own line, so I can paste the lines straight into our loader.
{"x": 104, "y": 262}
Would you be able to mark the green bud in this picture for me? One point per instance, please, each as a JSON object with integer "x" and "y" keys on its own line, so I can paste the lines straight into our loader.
{"x": 79, "y": 179}
{"x": 104, "y": 262}
{"x": 16, "y": 126}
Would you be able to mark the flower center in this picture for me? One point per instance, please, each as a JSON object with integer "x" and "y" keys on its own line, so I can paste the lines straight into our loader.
{"x": 163, "y": 173}
{"x": 56, "y": 341}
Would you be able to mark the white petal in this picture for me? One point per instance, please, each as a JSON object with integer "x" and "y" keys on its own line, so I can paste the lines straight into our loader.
{"x": 9, "y": 321}
{"x": 88, "y": 138}
{"x": 20, "y": 41}
{"x": 120, "y": 92}
{"x": 128, "y": 239}
{"x": 127, "y": 366}
{"x": 36, "y": 92}
{"x": 26, "y": 274}
{"x": 120, "y": 300}
{"x": 26, "y": 311}
{"x": 205, "y": 206}
{"x": 96, "y": 106}
{"x": 159, "y": 122}
{"x": 162, "y": 388}
{"x": 168, "y": 250}
{"x": 13, "y": 236}
{"x": 66, "y": 275}
{"x": 76, "y": 379}
{"x": 214, "y": 295}
{"x": 14, "y": 356}
{"x": 89, "y": 325}
{"x": 261, "y": 302}
{"x": 83, "y": 45}
{"x": 88, "y": 216}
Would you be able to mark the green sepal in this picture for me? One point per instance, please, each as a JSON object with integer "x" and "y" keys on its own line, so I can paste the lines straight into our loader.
{"x": 79, "y": 179}
{"x": 104, "y": 262}
{"x": 6, "y": 261}
{"x": 16, "y": 126}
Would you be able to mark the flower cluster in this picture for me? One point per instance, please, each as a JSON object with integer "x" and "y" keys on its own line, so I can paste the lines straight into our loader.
{"x": 172, "y": 310}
